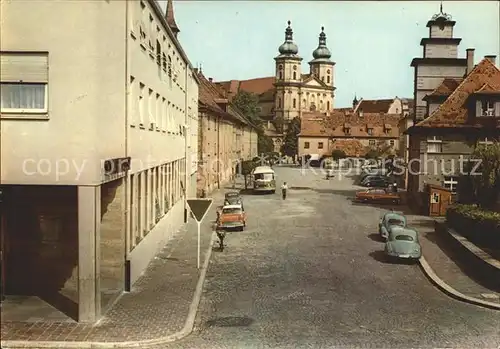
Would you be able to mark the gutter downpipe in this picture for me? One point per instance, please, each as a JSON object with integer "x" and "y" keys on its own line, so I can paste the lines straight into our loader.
{"x": 187, "y": 137}
{"x": 128, "y": 184}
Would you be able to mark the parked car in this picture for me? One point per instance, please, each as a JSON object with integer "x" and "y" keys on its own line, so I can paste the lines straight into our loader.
{"x": 233, "y": 198}
{"x": 390, "y": 221}
{"x": 232, "y": 216}
{"x": 403, "y": 243}
{"x": 375, "y": 181}
{"x": 382, "y": 195}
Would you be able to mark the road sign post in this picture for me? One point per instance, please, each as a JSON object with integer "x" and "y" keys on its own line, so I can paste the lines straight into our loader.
{"x": 199, "y": 208}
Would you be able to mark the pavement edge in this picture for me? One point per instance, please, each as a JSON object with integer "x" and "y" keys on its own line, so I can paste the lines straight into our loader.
{"x": 450, "y": 291}
{"x": 186, "y": 330}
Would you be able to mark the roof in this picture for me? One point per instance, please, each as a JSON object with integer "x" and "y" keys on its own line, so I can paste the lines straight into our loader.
{"x": 375, "y": 105}
{"x": 257, "y": 86}
{"x": 209, "y": 95}
{"x": 382, "y": 125}
{"x": 263, "y": 169}
{"x": 351, "y": 147}
{"x": 446, "y": 88}
{"x": 454, "y": 111}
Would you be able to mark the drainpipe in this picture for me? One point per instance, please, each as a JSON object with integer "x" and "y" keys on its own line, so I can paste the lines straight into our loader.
{"x": 218, "y": 152}
{"x": 128, "y": 184}
{"x": 187, "y": 137}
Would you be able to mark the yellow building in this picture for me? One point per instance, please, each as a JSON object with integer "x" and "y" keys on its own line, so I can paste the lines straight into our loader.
{"x": 290, "y": 92}
{"x": 225, "y": 137}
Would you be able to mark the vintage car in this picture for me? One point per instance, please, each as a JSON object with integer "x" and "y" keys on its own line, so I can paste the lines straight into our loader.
{"x": 232, "y": 217}
{"x": 390, "y": 221}
{"x": 233, "y": 198}
{"x": 403, "y": 243}
{"x": 381, "y": 195}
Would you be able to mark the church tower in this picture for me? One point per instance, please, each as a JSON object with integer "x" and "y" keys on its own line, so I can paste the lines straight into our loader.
{"x": 440, "y": 61}
{"x": 288, "y": 78}
{"x": 321, "y": 66}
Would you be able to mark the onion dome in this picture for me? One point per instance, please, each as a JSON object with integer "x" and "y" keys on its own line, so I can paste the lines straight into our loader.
{"x": 288, "y": 47}
{"x": 322, "y": 52}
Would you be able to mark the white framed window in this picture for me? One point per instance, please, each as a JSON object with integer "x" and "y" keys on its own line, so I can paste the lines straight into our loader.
{"x": 450, "y": 183}
{"x": 370, "y": 131}
{"x": 434, "y": 145}
{"x": 485, "y": 141}
{"x": 24, "y": 82}
{"x": 488, "y": 108}
{"x": 371, "y": 142}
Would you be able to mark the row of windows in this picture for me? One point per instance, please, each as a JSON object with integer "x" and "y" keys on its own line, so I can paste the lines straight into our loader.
{"x": 435, "y": 143}
{"x": 151, "y": 110}
{"x": 294, "y": 76}
{"x": 153, "y": 40}
{"x": 372, "y": 142}
{"x": 312, "y": 105}
{"x": 152, "y": 194}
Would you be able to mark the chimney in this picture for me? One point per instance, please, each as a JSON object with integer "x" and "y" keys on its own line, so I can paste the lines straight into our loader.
{"x": 470, "y": 60}
{"x": 491, "y": 58}
{"x": 210, "y": 79}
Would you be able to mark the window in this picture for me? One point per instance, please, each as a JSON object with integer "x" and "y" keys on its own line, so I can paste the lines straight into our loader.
{"x": 450, "y": 183}
{"x": 487, "y": 108}
{"x": 328, "y": 79}
{"x": 295, "y": 75}
{"x": 279, "y": 102}
{"x": 158, "y": 53}
{"x": 281, "y": 74}
{"x": 347, "y": 130}
{"x": 306, "y": 145}
{"x": 320, "y": 145}
{"x": 142, "y": 110}
{"x": 371, "y": 142}
{"x": 150, "y": 107}
{"x": 294, "y": 103}
{"x": 391, "y": 142}
{"x": 370, "y": 131}
{"x": 485, "y": 141}
{"x": 24, "y": 80}
{"x": 434, "y": 145}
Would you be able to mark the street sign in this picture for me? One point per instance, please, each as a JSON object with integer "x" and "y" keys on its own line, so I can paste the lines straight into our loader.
{"x": 199, "y": 208}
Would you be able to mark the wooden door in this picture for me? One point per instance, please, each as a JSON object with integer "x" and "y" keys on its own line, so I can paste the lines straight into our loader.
{"x": 434, "y": 203}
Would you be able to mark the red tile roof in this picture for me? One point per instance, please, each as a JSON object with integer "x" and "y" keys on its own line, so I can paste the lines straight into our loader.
{"x": 375, "y": 105}
{"x": 446, "y": 88}
{"x": 351, "y": 147}
{"x": 320, "y": 125}
{"x": 257, "y": 86}
{"x": 454, "y": 112}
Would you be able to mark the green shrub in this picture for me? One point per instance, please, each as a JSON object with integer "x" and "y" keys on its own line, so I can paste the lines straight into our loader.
{"x": 476, "y": 224}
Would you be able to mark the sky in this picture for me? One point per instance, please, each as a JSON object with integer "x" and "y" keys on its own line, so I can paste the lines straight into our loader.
{"x": 372, "y": 42}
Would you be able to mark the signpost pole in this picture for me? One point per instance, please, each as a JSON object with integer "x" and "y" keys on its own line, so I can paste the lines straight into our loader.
{"x": 199, "y": 242}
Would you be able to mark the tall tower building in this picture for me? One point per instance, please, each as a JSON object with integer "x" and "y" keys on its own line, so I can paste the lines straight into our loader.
{"x": 288, "y": 78}
{"x": 440, "y": 60}
{"x": 321, "y": 66}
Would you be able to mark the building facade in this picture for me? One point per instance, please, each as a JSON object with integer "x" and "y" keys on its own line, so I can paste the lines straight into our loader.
{"x": 353, "y": 132}
{"x": 290, "y": 92}
{"x": 97, "y": 146}
{"x": 468, "y": 115}
{"x": 225, "y": 138}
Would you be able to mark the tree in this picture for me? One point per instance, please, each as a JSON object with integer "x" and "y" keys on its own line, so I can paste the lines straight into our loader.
{"x": 265, "y": 143}
{"x": 247, "y": 167}
{"x": 248, "y": 104}
{"x": 291, "y": 140}
{"x": 483, "y": 184}
{"x": 338, "y": 154}
{"x": 372, "y": 154}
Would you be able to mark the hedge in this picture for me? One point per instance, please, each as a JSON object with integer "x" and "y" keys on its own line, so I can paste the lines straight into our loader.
{"x": 479, "y": 226}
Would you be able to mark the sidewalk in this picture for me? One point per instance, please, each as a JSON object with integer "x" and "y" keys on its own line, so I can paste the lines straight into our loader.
{"x": 452, "y": 266}
{"x": 157, "y": 307}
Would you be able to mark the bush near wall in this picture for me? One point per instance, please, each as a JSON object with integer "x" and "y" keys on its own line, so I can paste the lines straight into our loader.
{"x": 477, "y": 225}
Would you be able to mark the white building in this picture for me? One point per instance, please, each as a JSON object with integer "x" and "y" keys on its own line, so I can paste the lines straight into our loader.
{"x": 98, "y": 143}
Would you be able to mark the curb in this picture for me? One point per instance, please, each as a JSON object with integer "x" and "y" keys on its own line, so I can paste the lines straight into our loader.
{"x": 186, "y": 330}
{"x": 450, "y": 291}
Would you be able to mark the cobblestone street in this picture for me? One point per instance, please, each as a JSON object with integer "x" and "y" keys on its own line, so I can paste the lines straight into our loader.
{"x": 309, "y": 272}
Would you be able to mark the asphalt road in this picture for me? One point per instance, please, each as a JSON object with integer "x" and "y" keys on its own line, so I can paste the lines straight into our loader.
{"x": 308, "y": 272}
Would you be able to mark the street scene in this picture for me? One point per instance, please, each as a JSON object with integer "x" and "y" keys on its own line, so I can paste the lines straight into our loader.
{"x": 232, "y": 174}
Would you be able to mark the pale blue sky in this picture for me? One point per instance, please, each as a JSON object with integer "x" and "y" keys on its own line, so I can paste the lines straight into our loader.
{"x": 372, "y": 43}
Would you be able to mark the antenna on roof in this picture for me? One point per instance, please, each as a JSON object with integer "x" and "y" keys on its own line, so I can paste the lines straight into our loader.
{"x": 200, "y": 68}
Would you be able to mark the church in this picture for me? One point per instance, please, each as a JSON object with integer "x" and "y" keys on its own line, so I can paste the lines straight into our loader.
{"x": 290, "y": 92}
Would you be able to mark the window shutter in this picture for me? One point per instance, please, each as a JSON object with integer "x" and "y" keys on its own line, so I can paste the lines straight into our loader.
{"x": 24, "y": 67}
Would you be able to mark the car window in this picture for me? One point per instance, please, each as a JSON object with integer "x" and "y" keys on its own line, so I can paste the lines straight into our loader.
{"x": 399, "y": 222}
{"x": 403, "y": 238}
{"x": 231, "y": 210}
